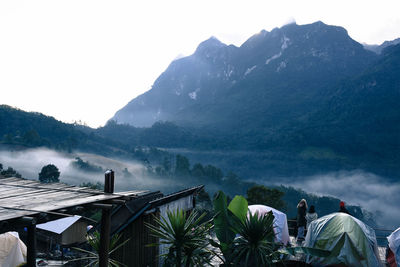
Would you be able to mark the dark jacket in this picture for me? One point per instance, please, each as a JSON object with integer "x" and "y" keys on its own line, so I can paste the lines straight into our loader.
{"x": 301, "y": 216}
{"x": 343, "y": 209}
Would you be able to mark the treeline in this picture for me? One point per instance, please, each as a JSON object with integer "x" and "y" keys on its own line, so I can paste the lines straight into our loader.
{"x": 285, "y": 198}
{"x": 294, "y": 151}
{"x": 179, "y": 170}
{"x": 9, "y": 172}
{"x": 31, "y": 129}
{"x": 86, "y": 166}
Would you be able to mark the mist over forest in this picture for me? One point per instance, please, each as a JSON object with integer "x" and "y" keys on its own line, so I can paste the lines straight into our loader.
{"x": 377, "y": 197}
{"x": 29, "y": 163}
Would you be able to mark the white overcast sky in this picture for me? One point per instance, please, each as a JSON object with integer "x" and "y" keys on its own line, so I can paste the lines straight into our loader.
{"x": 84, "y": 60}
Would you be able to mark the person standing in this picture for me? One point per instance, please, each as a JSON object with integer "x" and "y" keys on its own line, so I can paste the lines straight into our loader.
{"x": 311, "y": 215}
{"x": 301, "y": 219}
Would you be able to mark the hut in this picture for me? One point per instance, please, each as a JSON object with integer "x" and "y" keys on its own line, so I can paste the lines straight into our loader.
{"x": 63, "y": 232}
{"x": 26, "y": 203}
{"x": 129, "y": 221}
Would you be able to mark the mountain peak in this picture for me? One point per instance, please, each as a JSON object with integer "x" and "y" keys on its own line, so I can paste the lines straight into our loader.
{"x": 319, "y": 23}
{"x": 210, "y": 44}
{"x": 268, "y": 64}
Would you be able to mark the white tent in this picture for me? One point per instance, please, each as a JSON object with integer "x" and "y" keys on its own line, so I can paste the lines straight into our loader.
{"x": 12, "y": 250}
{"x": 350, "y": 241}
{"x": 280, "y": 222}
{"x": 394, "y": 244}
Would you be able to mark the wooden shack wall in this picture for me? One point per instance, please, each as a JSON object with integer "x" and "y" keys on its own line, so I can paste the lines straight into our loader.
{"x": 134, "y": 252}
{"x": 76, "y": 233}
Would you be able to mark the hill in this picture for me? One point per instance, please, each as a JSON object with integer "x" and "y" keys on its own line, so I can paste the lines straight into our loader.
{"x": 21, "y": 129}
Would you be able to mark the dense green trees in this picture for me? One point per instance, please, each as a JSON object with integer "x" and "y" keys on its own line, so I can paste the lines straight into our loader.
{"x": 182, "y": 165}
{"x": 263, "y": 195}
{"x": 86, "y": 166}
{"x": 49, "y": 174}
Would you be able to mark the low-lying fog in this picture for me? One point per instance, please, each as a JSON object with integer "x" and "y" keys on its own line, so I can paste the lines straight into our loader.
{"x": 30, "y": 162}
{"x": 373, "y": 193}
{"x": 367, "y": 190}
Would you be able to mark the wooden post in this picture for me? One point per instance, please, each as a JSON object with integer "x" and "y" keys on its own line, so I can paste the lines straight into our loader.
{"x": 31, "y": 242}
{"x": 109, "y": 182}
{"x": 106, "y": 221}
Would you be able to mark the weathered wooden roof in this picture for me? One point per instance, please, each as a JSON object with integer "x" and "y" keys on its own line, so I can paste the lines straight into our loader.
{"x": 126, "y": 214}
{"x": 21, "y": 197}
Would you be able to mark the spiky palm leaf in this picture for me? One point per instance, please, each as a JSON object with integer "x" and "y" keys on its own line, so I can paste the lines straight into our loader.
{"x": 93, "y": 256}
{"x": 185, "y": 236}
{"x": 255, "y": 246}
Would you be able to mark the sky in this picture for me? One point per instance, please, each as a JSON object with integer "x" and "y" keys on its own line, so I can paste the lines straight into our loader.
{"x": 83, "y": 60}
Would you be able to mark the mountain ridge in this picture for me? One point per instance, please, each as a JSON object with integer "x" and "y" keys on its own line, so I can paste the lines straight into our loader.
{"x": 200, "y": 79}
{"x": 295, "y": 89}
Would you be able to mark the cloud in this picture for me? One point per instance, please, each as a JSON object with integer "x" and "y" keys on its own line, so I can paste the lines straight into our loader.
{"x": 290, "y": 20}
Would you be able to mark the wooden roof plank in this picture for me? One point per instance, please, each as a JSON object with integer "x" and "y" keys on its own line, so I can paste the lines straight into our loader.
{"x": 10, "y": 179}
{"x": 18, "y": 183}
{"x": 6, "y": 189}
{"x": 133, "y": 192}
{"x": 33, "y": 203}
{"x": 14, "y": 214}
{"x": 29, "y": 193}
{"x": 54, "y": 189}
{"x": 35, "y": 197}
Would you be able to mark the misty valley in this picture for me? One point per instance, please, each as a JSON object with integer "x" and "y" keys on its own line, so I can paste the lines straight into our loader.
{"x": 169, "y": 173}
{"x": 303, "y": 111}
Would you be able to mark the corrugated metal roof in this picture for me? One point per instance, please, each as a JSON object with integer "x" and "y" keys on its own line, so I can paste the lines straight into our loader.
{"x": 20, "y": 197}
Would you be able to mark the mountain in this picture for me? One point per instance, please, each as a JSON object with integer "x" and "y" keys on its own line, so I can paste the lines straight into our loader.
{"x": 361, "y": 115}
{"x": 272, "y": 77}
{"x": 379, "y": 48}
{"x": 308, "y": 97}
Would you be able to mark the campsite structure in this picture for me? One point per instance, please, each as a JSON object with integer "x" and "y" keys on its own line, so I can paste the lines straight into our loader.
{"x": 45, "y": 210}
{"x": 63, "y": 232}
{"x": 393, "y": 255}
{"x": 280, "y": 222}
{"x": 349, "y": 241}
{"x": 26, "y": 203}
{"x": 129, "y": 221}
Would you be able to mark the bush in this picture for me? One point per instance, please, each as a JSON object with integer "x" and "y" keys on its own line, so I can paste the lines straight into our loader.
{"x": 49, "y": 174}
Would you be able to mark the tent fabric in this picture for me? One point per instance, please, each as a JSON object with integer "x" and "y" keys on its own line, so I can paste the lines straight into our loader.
{"x": 349, "y": 240}
{"x": 60, "y": 225}
{"x": 12, "y": 250}
{"x": 394, "y": 244}
{"x": 280, "y": 222}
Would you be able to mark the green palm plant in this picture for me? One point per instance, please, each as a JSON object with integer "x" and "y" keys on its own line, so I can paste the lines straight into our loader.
{"x": 93, "y": 255}
{"x": 255, "y": 245}
{"x": 224, "y": 219}
{"x": 185, "y": 236}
